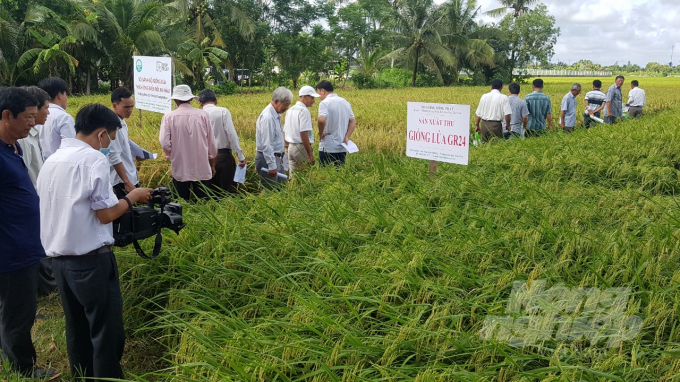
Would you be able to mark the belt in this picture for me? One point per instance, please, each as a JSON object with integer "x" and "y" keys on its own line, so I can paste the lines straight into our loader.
{"x": 635, "y": 106}
{"x": 224, "y": 151}
{"x": 486, "y": 120}
{"x": 275, "y": 154}
{"x": 100, "y": 251}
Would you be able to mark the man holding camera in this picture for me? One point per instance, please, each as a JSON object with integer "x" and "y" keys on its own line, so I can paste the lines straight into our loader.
{"x": 77, "y": 206}
{"x": 20, "y": 246}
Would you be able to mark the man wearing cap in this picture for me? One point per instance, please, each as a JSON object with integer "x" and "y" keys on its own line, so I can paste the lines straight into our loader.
{"x": 636, "y": 100}
{"x": 227, "y": 142}
{"x": 568, "y": 109}
{"x": 269, "y": 141}
{"x": 189, "y": 143}
{"x": 299, "y": 132}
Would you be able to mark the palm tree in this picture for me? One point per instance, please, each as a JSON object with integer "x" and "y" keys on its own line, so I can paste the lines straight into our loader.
{"x": 461, "y": 30}
{"x": 517, "y": 7}
{"x": 193, "y": 58}
{"x": 51, "y": 53}
{"x": 418, "y": 36}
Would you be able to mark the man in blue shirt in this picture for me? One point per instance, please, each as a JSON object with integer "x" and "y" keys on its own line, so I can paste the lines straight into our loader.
{"x": 568, "y": 109}
{"x": 20, "y": 247}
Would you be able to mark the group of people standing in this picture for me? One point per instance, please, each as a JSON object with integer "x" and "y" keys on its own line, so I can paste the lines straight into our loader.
{"x": 64, "y": 181}
{"x": 505, "y": 117}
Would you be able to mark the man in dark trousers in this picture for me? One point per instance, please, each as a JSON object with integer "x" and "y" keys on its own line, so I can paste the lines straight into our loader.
{"x": 77, "y": 206}
{"x": 20, "y": 246}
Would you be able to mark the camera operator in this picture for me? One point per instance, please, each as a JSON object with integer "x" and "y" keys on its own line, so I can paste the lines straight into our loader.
{"x": 20, "y": 247}
{"x": 77, "y": 206}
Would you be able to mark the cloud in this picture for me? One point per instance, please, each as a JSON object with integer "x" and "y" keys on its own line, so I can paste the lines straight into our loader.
{"x": 609, "y": 31}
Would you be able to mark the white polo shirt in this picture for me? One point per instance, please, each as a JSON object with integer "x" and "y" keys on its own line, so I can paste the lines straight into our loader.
{"x": 59, "y": 125}
{"x": 223, "y": 128}
{"x": 493, "y": 106}
{"x": 338, "y": 113}
{"x": 121, "y": 153}
{"x": 298, "y": 119}
{"x": 73, "y": 184}
{"x": 636, "y": 97}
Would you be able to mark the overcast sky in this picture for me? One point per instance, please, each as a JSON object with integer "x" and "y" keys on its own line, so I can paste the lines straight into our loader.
{"x": 607, "y": 31}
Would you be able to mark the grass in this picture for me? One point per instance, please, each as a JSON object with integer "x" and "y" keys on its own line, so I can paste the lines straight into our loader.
{"x": 377, "y": 271}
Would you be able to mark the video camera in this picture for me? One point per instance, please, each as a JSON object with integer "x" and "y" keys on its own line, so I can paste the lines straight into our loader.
{"x": 143, "y": 222}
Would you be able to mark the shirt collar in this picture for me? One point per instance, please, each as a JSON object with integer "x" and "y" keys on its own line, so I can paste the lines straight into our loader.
{"x": 185, "y": 105}
{"x": 73, "y": 142}
{"x": 33, "y": 132}
{"x": 55, "y": 106}
{"x": 299, "y": 103}
{"x": 273, "y": 111}
{"x": 513, "y": 95}
{"x": 209, "y": 106}
{"x": 332, "y": 95}
{"x": 495, "y": 90}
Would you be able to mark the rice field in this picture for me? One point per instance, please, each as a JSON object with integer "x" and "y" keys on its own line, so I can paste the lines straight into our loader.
{"x": 379, "y": 272}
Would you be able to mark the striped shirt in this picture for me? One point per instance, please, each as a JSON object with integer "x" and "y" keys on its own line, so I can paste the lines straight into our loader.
{"x": 614, "y": 97}
{"x": 595, "y": 99}
{"x": 539, "y": 107}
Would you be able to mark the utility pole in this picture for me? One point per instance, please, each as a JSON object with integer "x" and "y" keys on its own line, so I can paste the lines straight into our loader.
{"x": 671, "y": 63}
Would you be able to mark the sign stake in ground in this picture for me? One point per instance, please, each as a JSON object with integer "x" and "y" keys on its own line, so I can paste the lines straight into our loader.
{"x": 438, "y": 132}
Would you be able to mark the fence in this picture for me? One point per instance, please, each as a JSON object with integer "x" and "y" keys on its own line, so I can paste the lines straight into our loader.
{"x": 560, "y": 73}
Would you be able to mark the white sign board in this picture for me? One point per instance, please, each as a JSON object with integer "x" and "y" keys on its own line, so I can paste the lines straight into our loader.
{"x": 152, "y": 77}
{"x": 438, "y": 132}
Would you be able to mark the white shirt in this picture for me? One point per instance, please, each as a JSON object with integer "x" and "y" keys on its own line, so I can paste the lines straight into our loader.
{"x": 636, "y": 97}
{"x": 121, "y": 153}
{"x": 298, "y": 119}
{"x": 223, "y": 129}
{"x": 493, "y": 106}
{"x": 32, "y": 155}
{"x": 269, "y": 136}
{"x": 73, "y": 184}
{"x": 59, "y": 125}
{"x": 338, "y": 113}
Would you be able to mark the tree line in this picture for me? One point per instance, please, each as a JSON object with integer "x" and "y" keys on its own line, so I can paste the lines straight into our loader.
{"x": 372, "y": 43}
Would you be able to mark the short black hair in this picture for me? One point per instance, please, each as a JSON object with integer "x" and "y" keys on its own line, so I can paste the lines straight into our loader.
{"x": 597, "y": 84}
{"x": 95, "y": 116}
{"x": 325, "y": 85}
{"x": 514, "y": 88}
{"x": 635, "y": 83}
{"x": 538, "y": 83}
{"x": 53, "y": 86}
{"x": 496, "y": 84}
{"x": 619, "y": 76}
{"x": 39, "y": 94}
{"x": 207, "y": 95}
{"x": 16, "y": 100}
{"x": 119, "y": 94}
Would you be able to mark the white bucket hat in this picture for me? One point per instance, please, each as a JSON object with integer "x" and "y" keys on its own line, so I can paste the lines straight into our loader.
{"x": 182, "y": 93}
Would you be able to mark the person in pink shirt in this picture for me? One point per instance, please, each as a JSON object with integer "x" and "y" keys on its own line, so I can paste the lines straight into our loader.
{"x": 188, "y": 142}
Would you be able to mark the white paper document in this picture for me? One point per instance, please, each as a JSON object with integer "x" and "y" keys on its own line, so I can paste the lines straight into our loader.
{"x": 279, "y": 175}
{"x": 284, "y": 161}
{"x": 240, "y": 174}
{"x": 351, "y": 147}
{"x": 140, "y": 153}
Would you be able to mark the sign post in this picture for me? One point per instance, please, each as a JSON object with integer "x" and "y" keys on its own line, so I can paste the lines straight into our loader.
{"x": 438, "y": 132}
{"x": 152, "y": 84}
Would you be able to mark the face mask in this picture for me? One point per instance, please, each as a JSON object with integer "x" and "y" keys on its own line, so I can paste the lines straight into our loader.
{"x": 104, "y": 150}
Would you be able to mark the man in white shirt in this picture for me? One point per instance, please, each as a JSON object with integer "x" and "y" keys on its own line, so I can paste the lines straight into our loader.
{"x": 77, "y": 206}
{"x": 124, "y": 176}
{"x": 59, "y": 124}
{"x": 269, "y": 141}
{"x": 227, "y": 142}
{"x": 493, "y": 108}
{"x": 299, "y": 132}
{"x": 33, "y": 158}
{"x": 336, "y": 125}
{"x": 636, "y": 100}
